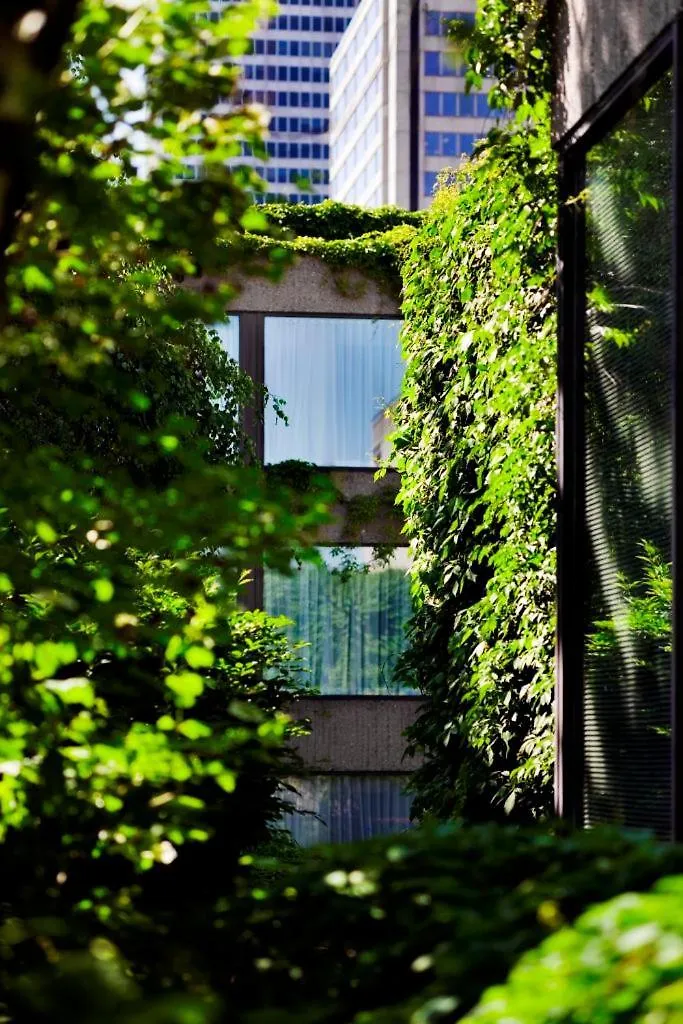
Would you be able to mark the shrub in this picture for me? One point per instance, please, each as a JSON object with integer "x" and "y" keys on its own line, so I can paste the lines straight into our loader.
{"x": 621, "y": 963}
{"x": 414, "y": 928}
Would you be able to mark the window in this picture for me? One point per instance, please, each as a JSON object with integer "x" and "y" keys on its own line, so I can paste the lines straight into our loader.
{"x": 619, "y": 334}
{"x": 305, "y": 24}
{"x": 432, "y": 23}
{"x": 466, "y": 105}
{"x": 336, "y": 376}
{"x": 467, "y": 143}
{"x": 448, "y": 105}
{"x": 294, "y": 99}
{"x": 351, "y": 609}
{"x": 432, "y": 143}
{"x": 432, "y": 104}
{"x": 430, "y": 182}
{"x": 432, "y": 62}
{"x": 449, "y": 144}
{"x": 347, "y": 808}
{"x": 229, "y": 336}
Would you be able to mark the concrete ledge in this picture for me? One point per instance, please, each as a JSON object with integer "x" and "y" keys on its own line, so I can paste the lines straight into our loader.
{"x": 357, "y": 734}
{"x": 314, "y": 288}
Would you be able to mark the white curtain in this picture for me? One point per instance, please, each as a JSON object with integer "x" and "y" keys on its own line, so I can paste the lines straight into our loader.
{"x": 347, "y": 808}
{"x": 336, "y": 376}
{"x": 229, "y": 334}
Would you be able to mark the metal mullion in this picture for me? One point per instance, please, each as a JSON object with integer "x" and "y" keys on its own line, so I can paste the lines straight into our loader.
{"x": 252, "y": 362}
{"x": 570, "y": 510}
{"x": 677, "y": 496}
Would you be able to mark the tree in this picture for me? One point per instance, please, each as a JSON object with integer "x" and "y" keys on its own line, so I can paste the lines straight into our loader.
{"x": 141, "y": 730}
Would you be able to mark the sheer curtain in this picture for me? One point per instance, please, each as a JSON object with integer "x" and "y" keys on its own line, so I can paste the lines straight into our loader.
{"x": 335, "y": 377}
{"x": 229, "y": 335}
{"x": 348, "y": 807}
{"x": 352, "y": 612}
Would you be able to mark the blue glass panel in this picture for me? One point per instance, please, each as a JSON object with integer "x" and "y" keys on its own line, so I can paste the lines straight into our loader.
{"x": 466, "y": 105}
{"x": 448, "y": 104}
{"x": 430, "y": 182}
{"x": 336, "y": 375}
{"x": 432, "y": 143}
{"x": 432, "y": 62}
{"x": 348, "y": 808}
{"x": 432, "y": 104}
{"x": 351, "y": 609}
{"x": 432, "y": 23}
{"x": 449, "y": 144}
{"x": 467, "y": 143}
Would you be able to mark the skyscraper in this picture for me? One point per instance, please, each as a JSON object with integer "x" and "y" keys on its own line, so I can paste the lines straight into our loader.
{"x": 288, "y": 72}
{"x": 398, "y": 106}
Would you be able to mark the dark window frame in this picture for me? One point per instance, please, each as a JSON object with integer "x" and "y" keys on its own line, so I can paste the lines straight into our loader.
{"x": 663, "y": 55}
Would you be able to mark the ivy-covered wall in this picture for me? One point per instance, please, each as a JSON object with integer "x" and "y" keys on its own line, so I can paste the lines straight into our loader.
{"x": 475, "y": 450}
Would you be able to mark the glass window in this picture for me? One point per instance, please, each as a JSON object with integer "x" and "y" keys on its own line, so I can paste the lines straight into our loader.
{"x": 466, "y": 104}
{"x": 628, "y": 468}
{"x": 449, "y": 144}
{"x": 270, "y": 46}
{"x": 282, "y": 47}
{"x": 448, "y": 104}
{"x": 430, "y": 182}
{"x": 432, "y": 104}
{"x": 317, "y": 47}
{"x": 294, "y": 48}
{"x": 282, "y": 150}
{"x": 432, "y": 23}
{"x": 305, "y": 48}
{"x": 282, "y": 73}
{"x": 432, "y": 143}
{"x": 317, "y": 74}
{"x": 336, "y": 375}
{"x": 317, "y": 26}
{"x": 294, "y": 124}
{"x": 306, "y": 24}
{"x": 316, "y": 151}
{"x": 305, "y": 99}
{"x": 229, "y": 335}
{"x": 467, "y": 143}
{"x": 432, "y": 62}
{"x": 350, "y": 609}
{"x": 328, "y": 24}
{"x": 482, "y": 105}
{"x": 345, "y": 808}
{"x": 294, "y": 99}
{"x": 294, "y": 22}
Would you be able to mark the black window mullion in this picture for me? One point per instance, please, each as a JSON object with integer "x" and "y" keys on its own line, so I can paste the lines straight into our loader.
{"x": 677, "y": 498}
{"x": 252, "y": 362}
{"x": 571, "y": 538}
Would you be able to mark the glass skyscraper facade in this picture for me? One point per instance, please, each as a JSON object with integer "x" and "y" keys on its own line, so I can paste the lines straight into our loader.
{"x": 288, "y": 72}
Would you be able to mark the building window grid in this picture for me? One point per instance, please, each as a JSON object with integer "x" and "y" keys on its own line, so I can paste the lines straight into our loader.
{"x": 436, "y": 21}
{"x": 359, "y": 155}
{"x": 371, "y": 97}
{"x": 359, "y": 64}
{"x": 450, "y": 143}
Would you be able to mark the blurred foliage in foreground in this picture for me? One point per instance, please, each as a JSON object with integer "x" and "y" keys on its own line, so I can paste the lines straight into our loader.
{"x": 142, "y": 725}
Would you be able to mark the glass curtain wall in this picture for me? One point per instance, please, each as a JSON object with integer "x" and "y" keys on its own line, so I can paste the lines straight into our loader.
{"x": 628, "y": 468}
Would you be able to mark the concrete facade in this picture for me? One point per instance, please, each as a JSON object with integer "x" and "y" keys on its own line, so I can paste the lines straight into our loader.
{"x": 310, "y": 286}
{"x": 360, "y": 734}
{"x": 594, "y": 45}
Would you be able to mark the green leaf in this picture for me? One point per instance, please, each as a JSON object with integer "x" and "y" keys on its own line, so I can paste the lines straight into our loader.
{"x": 104, "y": 589}
{"x": 186, "y": 686}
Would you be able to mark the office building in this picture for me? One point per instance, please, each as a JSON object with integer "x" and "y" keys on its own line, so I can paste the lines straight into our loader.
{"x": 398, "y": 106}
{"x": 288, "y": 72}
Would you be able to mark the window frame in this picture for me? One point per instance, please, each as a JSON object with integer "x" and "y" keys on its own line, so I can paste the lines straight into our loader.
{"x": 663, "y": 55}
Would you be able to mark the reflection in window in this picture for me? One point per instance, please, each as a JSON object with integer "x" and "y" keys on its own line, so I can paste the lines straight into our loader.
{"x": 347, "y": 808}
{"x": 229, "y": 335}
{"x": 629, "y": 469}
{"x": 335, "y": 376}
{"x": 351, "y": 609}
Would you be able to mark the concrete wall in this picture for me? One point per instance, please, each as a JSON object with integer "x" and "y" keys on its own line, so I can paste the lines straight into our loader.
{"x": 313, "y": 287}
{"x": 356, "y": 734}
{"x": 596, "y": 40}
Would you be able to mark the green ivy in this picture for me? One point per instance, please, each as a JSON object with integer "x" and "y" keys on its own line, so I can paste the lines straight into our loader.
{"x": 475, "y": 450}
{"x": 334, "y": 221}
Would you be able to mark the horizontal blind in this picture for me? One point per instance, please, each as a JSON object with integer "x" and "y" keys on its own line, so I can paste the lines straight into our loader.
{"x": 628, "y": 471}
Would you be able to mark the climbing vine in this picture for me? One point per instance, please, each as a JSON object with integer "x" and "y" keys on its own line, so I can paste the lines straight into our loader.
{"x": 475, "y": 450}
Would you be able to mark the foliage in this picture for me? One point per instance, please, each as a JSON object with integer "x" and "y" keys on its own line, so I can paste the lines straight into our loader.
{"x": 621, "y": 962}
{"x": 141, "y": 708}
{"x": 335, "y": 221}
{"x": 474, "y": 447}
{"x": 413, "y": 928}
